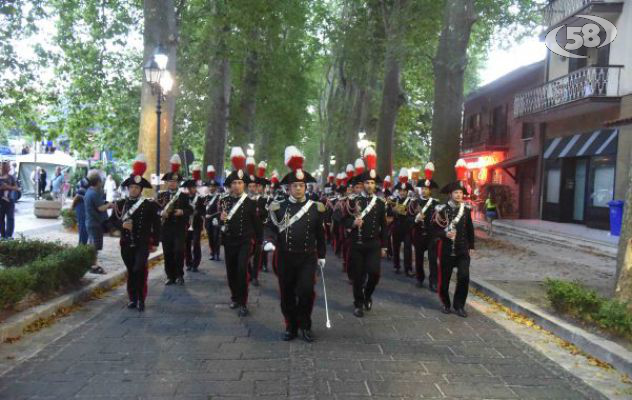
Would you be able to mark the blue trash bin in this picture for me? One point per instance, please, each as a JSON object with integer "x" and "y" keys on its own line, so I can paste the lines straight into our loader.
{"x": 616, "y": 215}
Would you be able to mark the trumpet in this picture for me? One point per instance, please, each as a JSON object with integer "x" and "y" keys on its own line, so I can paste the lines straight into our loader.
{"x": 399, "y": 208}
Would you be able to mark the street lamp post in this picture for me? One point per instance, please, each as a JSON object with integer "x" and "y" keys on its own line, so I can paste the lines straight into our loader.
{"x": 161, "y": 82}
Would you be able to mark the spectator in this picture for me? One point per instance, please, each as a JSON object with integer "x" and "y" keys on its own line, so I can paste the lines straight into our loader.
{"x": 96, "y": 212}
{"x": 491, "y": 212}
{"x": 80, "y": 210}
{"x": 8, "y": 184}
{"x": 65, "y": 190}
{"x": 57, "y": 184}
{"x": 42, "y": 182}
{"x": 110, "y": 189}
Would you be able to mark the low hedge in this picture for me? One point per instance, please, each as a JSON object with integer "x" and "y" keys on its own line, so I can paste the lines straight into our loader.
{"x": 16, "y": 253}
{"x": 585, "y": 304}
{"x": 46, "y": 273}
{"x": 68, "y": 218}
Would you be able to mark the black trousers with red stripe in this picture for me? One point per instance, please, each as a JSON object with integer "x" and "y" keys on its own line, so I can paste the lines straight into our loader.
{"x": 236, "y": 257}
{"x": 423, "y": 244}
{"x": 135, "y": 260}
{"x": 297, "y": 277}
{"x": 173, "y": 251}
{"x": 193, "y": 248}
{"x": 447, "y": 264}
{"x": 257, "y": 261}
{"x": 364, "y": 265}
{"x": 214, "y": 238}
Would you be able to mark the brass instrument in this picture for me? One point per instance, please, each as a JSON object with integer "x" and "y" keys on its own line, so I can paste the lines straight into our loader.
{"x": 399, "y": 208}
{"x": 171, "y": 205}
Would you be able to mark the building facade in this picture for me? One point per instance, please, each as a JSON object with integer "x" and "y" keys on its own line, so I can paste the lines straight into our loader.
{"x": 500, "y": 149}
{"x": 583, "y": 110}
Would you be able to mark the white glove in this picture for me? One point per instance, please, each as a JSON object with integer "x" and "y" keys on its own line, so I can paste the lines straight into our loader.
{"x": 321, "y": 263}
{"x": 215, "y": 222}
{"x": 269, "y": 247}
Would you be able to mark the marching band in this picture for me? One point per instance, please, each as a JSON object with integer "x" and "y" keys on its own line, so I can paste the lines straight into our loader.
{"x": 363, "y": 217}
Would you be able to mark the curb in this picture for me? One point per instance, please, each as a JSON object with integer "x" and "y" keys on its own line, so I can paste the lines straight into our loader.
{"x": 589, "y": 343}
{"x": 570, "y": 242}
{"x": 14, "y": 326}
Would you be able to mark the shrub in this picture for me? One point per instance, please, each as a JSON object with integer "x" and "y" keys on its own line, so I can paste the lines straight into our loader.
{"x": 14, "y": 285}
{"x": 585, "y": 304}
{"x": 69, "y": 218}
{"x": 61, "y": 269}
{"x": 16, "y": 253}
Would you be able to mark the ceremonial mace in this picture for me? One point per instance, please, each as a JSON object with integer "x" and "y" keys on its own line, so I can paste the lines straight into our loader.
{"x": 322, "y": 274}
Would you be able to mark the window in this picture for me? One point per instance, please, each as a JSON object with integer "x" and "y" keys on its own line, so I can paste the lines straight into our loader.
{"x": 602, "y": 176}
{"x": 499, "y": 126}
{"x": 527, "y": 147}
{"x": 553, "y": 185}
{"x": 528, "y": 130}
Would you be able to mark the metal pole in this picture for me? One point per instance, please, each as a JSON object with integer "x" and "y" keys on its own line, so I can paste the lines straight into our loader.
{"x": 158, "y": 113}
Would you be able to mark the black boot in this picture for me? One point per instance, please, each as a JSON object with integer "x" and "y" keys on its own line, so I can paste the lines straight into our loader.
{"x": 141, "y": 306}
{"x": 460, "y": 312}
{"x": 368, "y": 304}
{"x": 357, "y": 312}
{"x": 131, "y": 305}
{"x": 307, "y": 335}
{"x": 289, "y": 334}
{"x": 243, "y": 311}
{"x": 170, "y": 282}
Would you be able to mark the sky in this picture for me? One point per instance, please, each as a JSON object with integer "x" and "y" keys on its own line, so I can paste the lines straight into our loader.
{"x": 502, "y": 61}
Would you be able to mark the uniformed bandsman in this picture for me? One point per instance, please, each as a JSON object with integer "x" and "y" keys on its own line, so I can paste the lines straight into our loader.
{"x": 295, "y": 231}
{"x": 240, "y": 226}
{"x": 453, "y": 224}
{"x": 211, "y": 218}
{"x": 423, "y": 237}
{"x": 175, "y": 214}
{"x": 368, "y": 236}
{"x": 193, "y": 248}
{"x": 401, "y": 231}
{"x": 139, "y": 221}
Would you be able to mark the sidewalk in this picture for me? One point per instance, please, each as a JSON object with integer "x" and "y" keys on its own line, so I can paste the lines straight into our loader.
{"x": 568, "y": 235}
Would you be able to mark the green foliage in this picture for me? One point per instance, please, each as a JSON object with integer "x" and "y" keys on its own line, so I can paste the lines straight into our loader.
{"x": 15, "y": 253}
{"x": 41, "y": 267}
{"x": 576, "y": 300}
{"x": 69, "y": 218}
{"x": 14, "y": 285}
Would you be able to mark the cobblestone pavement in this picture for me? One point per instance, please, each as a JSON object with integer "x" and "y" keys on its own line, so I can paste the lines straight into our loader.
{"x": 190, "y": 345}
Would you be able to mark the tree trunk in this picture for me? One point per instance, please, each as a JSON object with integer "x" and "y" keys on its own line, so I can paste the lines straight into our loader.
{"x": 449, "y": 69}
{"x": 245, "y": 132}
{"x": 392, "y": 94}
{"x": 160, "y": 28}
{"x": 623, "y": 287}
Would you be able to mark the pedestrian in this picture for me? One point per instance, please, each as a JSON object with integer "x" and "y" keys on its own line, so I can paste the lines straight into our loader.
{"x": 453, "y": 224}
{"x": 80, "y": 210}
{"x": 139, "y": 220}
{"x": 240, "y": 227}
{"x": 211, "y": 219}
{"x": 192, "y": 247}
{"x": 95, "y": 207}
{"x": 491, "y": 212}
{"x": 424, "y": 239}
{"x": 65, "y": 191}
{"x": 8, "y": 186}
{"x": 175, "y": 214}
{"x": 42, "y": 182}
{"x": 402, "y": 224}
{"x": 368, "y": 236}
{"x": 295, "y": 231}
{"x": 57, "y": 184}
{"x": 110, "y": 188}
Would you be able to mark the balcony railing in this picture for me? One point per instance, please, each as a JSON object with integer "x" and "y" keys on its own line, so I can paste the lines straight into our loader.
{"x": 558, "y": 10}
{"x": 584, "y": 83}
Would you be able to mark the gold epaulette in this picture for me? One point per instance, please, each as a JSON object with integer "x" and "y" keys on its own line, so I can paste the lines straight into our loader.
{"x": 321, "y": 206}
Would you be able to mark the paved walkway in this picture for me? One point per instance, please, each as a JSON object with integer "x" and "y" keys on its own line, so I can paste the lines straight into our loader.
{"x": 190, "y": 345}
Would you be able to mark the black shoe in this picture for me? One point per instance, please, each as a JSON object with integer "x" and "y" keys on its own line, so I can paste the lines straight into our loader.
{"x": 233, "y": 305}
{"x": 141, "y": 306}
{"x": 461, "y": 313}
{"x": 368, "y": 304}
{"x": 189, "y": 268}
{"x": 432, "y": 287}
{"x": 307, "y": 335}
{"x": 357, "y": 312}
{"x": 255, "y": 282}
{"x": 180, "y": 281}
{"x": 446, "y": 310}
{"x": 195, "y": 269}
{"x": 243, "y": 311}
{"x": 131, "y": 305}
{"x": 288, "y": 335}
{"x": 170, "y": 282}
{"x": 419, "y": 284}
{"x": 211, "y": 258}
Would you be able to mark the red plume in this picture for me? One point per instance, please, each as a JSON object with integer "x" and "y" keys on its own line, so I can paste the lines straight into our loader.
{"x": 250, "y": 165}
{"x": 370, "y": 158}
{"x": 261, "y": 169}
{"x": 210, "y": 172}
{"x": 140, "y": 165}
{"x": 238, "y": 158}
{"x": 429, "y": 170}
{"x": 461, "y": 169}
{"x": 175, "y": 163}
{"x": 293, "y": 158}
{"x": 197, "y": 173}
{"x": 349, "y": 172}
{"x": 331, "y": 177}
